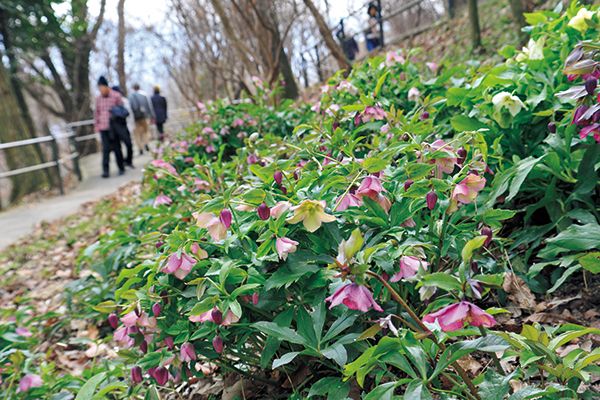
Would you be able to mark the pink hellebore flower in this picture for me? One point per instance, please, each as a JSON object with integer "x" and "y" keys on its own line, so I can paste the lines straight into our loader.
{"x": 444, "y": 164}
{"x": 393, "y": 57}
{"x": 161, "y": 374}
{"x": 349, "y": 200}
{"x": 454, "y": 317}
{"x": 433, "y": 67}
{"x": 370, "y": 186}
{"x": 593, "y": 128}
{"x": 210, "y": 315}
{"x": 187, "y": 352}
{"x": 30, "y": 381}
{"x": 122, "y": 337}
{"x": 23, "y": 332}
{"x": 384, "y": 128}
{"x": 201, "y": 184}
{"x": 217, "y": 343}
{"x": 130, "y": 319}
{"x": 164, "y": 165}
{"x": 237, "y": 122}
{"x": 413, "y": 94}
{"x": 285, "y": 246}
{"x": 162, "y": 199}
{"x": 466, "y": 191}
{"x": 409, "y": 266}
{"x": 179, "y": 266}
{"x": 217, "y": 227}
{"x": 225, "y": 217}
{"x": 198, "y": 251}
{"x": 370, "y": 113}
{"x": 355, "y": 297}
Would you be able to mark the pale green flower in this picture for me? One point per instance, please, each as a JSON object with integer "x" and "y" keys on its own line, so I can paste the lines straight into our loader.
{"x": 508, "y": 101}
{"x": 533, "y": 51}
{"x": 578, "y": 21}
{"x": 311, "y": 213}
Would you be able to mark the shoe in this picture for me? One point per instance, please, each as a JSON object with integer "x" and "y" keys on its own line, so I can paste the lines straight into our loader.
{"x": 105, "y": 175}
{"x": 130, "y": 165}
{"x": 141, "y": 152}
{"x": 122, "y": 172}
{"x": 147, "y": 148}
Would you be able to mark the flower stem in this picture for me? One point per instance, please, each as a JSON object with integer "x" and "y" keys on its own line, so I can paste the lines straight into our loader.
{"x": 459, "y": 370}
{"x": 494, "y": 356}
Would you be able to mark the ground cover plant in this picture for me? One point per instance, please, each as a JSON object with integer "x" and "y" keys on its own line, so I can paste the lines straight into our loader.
{"x": 385, "y": 242}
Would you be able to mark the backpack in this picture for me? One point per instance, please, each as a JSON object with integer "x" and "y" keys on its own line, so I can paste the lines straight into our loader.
{"x": 136, "y": 107}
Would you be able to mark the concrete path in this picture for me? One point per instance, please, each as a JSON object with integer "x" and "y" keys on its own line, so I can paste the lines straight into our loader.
{"x": 19, "y": 221}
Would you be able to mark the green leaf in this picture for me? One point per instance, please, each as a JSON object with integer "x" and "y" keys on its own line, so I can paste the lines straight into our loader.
{"x": 442, "y": 280}
{"x": 279, "y": 332}
{"x": 494, "y": 385}
{"x": 380, "y": 82}
{"x": 152, "y": 394}
{"x": 522, "y": 170}
{"x": 416, "y": 390}
{"x": 337, "y": 353}
{"x": 462, "y": 123}
{"x": 471, "y": 246}
{"x": 87, "y": 390}
{"x": 587, "y": 177}
{"x": 568, "y": 336}
{"x": 384, "y": 391}
{"x": 374, "y": 164}
{"x": 284, "y": 359}
{"x": 332, "y": 386}
{"x": 340, "y": 325}
{"x": 591, "y": 262}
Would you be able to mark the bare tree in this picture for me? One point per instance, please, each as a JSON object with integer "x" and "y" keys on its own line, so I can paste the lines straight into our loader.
{"x": 474, "y": 21}
{"x": 121, "y": 47}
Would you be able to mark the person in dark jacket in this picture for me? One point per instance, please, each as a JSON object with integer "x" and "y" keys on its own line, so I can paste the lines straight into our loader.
{"x": 119, "y": 124}
{"x": 159, "y": 104}
{"x": 105, "y": 102}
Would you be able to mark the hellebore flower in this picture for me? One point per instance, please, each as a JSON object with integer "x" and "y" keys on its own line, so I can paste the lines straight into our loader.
{"x": 279, "y": 208}
{"x": 384, "y": 128}
{"x": 216, "y": 226}
{"x": 355, "y": 297}
{"x": 444, "y": 164}
{"x": 252, "y": 159}
{"x": 370, "y": 186}
{"x": 113, "y": 320}
{"x": 431, "y": 199}
{"x": 179, "y": 266}
{"x": 508, "y": 101}
{"x": 187, "y": 352}
{"x": 278, "y": 177}
{"x": 121, "y": 335}
{"x": 349, "y": 200}
{"x": 347, "y": 86}
{"x": 311, "y": 213}
{"x": 461, "y": 155}
{"x": 408, "y": 184}
{"x": 466, "y": 191}
{"x": 455, "y": 316}
{"x": 578, "y": 22}
{"x": 160, "y": 374}
{"x": 169, "y": 342}
{"x": 372, "y": 113}
{"x": 590, "y": 85}
{"x": 285, "y": 246}
{"x": 156, "y": 309}
{"x": 551, "y": 127}
{"x": 593, "y": 128}
{"x": 413, "y": 94}
{"x": 164, "y": 165}
{"x": 533, "y": 51}
{"x": 215, "y": 315}
{"x": 409, "y": 266}
{"x": 198, "y": 251}
{"x": 487, "y": 231}
{"x": 578, "y": 116}
{"x": 387, "y": 323}
{"x": 136, "y": 375}
{"x": 264, "y": 212}
{"x": 393, "y": 57}
{"x": 30, "y": 381}
{"x": 162, "y": 199}
{"x": 144, "y": 347}
{"x": 225, "y": 217}
{"x": 217, "y": 343}
{"x": 23, "y": 332}
{"x": 130, "y": 319}
{"x": 237, "y": 122}
{"x": 433, "y": 67}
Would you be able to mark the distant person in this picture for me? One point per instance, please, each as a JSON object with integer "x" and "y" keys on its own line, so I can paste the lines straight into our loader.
{"x": 119, "y": 124}
{"x": 105, "y": 102}
{"x": 349, "y": 45}
{"x": 159, "y": 104}
{"x": 373, "y": 33}
{"x": 142, "y": 110}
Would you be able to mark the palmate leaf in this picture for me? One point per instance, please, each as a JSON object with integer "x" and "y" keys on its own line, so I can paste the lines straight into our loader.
{"x": 280, "y": 332}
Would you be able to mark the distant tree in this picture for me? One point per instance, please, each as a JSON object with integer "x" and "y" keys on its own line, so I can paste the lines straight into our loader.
{"x": 121, "y": 47}
{"x": 474, "y": 22}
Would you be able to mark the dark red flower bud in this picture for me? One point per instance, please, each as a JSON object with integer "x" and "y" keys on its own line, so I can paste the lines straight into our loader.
{"x": 264, "y": 212}
{"x": 278, "y": 176}
{"x": 335, "y": 125}
{"x": 408, "y": 184}
{"x": 225, "y": 217}
{"x": 424, "y": 115}
{"x": 405, "y": 137}
{"x": 578, "y": 114}
{"x": 552, "y": 127}
{"x": 590, "y": 85}
{"x": 169, "y": 342}
{"x": 144, "y": 347}
{"x": 156, "y": 309}
{"x": 462, "y": 155}
{"x": 296, "y": 176}
{"x": 357, "y": 119}
{"x": 487, "y": 231}
{"x": 136, "y": 375}
{"x": 474, "y": 267}
{"x": 217, "y": 343}
{"x": 161, "y": 375}
{"x": 159, "y": 244}
{"x": 216, "y": 316}
{"x": 113, "y": 320}
{"x": 431, "y": 200}
{"x": 255, "y": 298}
{"x": 283, "y": 189}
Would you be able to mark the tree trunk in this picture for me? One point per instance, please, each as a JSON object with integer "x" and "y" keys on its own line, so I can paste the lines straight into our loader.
{"x": 517, "y": 9}
{"x": 121, "y": 47}
{"x": 474, "y": 20}
{"x": 332, "y": 45}
{"x": 14, "y": 128}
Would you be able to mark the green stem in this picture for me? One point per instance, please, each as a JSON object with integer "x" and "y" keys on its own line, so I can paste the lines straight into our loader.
{"x": 494, "y": 356}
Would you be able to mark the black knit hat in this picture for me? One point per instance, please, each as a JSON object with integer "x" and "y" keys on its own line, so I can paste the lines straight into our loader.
{"x": 117, "y": 89}
{"x": 102, "y": 81}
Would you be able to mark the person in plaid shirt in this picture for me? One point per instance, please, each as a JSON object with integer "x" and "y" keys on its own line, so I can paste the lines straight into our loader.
{"x": 106, "y": 100}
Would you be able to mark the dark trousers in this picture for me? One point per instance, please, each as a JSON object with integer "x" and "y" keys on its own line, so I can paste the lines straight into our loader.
{"x": 125, "y": 138}
{"x": 110, "y": 143}
{"x": 161, "y": 130}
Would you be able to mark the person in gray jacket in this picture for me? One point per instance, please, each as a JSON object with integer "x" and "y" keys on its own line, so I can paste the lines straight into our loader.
{"x": 142, "y": 110}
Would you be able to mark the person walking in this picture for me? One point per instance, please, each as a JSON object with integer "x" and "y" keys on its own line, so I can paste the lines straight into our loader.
{"x": 120, "y": 126}
{"x": 105, "y": 102}
{"x": 141, "y": 109}
{"x": 159, "y": 104}
{"x": 373, "y": 34}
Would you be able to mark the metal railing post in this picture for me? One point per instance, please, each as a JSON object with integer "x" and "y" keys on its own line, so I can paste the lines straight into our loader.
{"x": 56, "y": 158}
{"x": 319, "y": 71}
{"x": 304, "y": 71}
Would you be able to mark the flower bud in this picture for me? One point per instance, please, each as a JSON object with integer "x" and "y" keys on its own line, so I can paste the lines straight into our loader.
{"x": 253, "y": 137}
{"x": 113, "y": 320}
{"x": 255, "y": 298}
{"x": 136, "y": 375}
{"x": 252, "y": 159}
{"x": 225, "y": 217}
{"x": 590, "y": 86}
{"x": 408, "y": 184}
{"x": 462, "y": 155}
{"x": 156, "y": 309}
{"x": 159, "y": 244}
{"x": 217, "y": 343}
{"x": 283, "y": 189}
{"x": 278, "y": 176}
{"x": 552, "y": 127}
{"x": 405, "y": 137}
{"x": 216, "y": 316}
{"x": 424, "y": 115}
{"x": 169, "y": 342}
{"x": 264, "y": 212}
{"x": 144, "y": 347}
{"x": 161, "y": 375}
{"x": 487, "y": 231}
{"x": 335, "y": 125}
{"x": 431, "y": 200}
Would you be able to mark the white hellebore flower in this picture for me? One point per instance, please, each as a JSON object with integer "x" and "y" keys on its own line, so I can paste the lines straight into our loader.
{"x": 413, "y": 94}
{"x": 506, "y": 100}
{"x": 578, "y": 21}
{"x": 533, "y": 51}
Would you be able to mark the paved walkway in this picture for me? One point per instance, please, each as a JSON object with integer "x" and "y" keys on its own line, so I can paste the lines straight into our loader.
{"x": 19, "y": 221}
